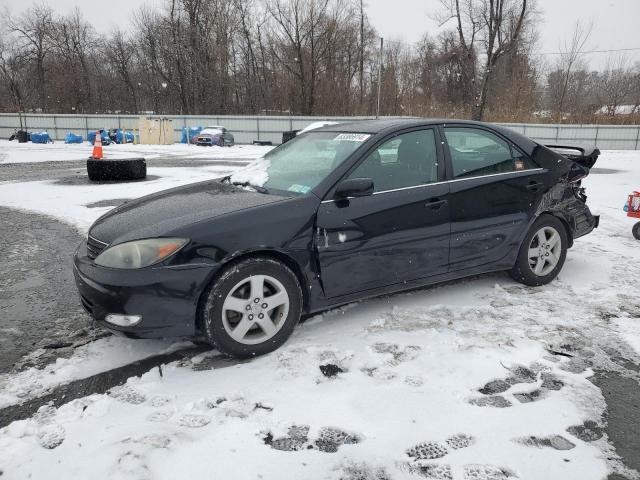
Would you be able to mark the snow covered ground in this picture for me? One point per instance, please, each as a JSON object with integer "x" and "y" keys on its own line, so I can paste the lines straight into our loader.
{"x": 452, "y": 382}
{"x": 73, "y": 203}
{"x": 14, "y": 152}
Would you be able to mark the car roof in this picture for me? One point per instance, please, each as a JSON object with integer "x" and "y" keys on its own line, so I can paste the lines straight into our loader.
{"x": 388, "y": 125}
{"x": 378, "y": 126}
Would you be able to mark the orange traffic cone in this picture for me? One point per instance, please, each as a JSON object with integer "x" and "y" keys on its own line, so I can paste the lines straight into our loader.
{"x": 97, "y": 147}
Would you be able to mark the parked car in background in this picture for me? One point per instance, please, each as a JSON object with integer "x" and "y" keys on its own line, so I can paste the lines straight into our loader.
{"x": 333, "y": 216}
{"x": 215, "y": 135}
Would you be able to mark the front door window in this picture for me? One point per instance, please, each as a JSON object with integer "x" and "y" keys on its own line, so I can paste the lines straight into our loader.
{"x": 407, "y": 160}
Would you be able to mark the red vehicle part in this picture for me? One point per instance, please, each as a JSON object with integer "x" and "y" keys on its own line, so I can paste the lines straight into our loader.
{"x": 633, "y": 210}
{"x": 633, "y": 205}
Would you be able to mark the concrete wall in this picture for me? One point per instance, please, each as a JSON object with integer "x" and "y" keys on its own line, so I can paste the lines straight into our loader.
{"x": 246, "y": 129}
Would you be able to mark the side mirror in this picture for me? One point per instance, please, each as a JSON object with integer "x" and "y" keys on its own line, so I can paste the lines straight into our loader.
{"x": 354, "y": 187}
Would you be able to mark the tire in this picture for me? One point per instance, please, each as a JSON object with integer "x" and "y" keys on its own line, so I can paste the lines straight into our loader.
{"x": 539, "y": 261}
{"x": 636, "y": 231}
{"x": 113, "y": 170}
{"x": 229, "y": 304}
{"x": 221, "y": 142}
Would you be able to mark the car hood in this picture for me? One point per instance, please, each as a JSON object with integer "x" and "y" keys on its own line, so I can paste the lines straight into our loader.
{"x": 167, "y": 212}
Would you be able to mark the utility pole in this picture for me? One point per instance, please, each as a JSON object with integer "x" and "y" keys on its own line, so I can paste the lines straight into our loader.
{"x": 379, "y": 77}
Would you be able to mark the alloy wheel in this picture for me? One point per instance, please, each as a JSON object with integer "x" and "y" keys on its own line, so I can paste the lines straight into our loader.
{"x": 544, "y": 251}
{"x": 255, "y": 309}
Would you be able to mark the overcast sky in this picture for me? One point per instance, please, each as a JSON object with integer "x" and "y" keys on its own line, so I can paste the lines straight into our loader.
{"x": 616, "y": 22}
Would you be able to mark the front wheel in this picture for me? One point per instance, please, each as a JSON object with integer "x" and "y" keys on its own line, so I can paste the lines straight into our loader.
{"x": 252, "y": 307}
{"x": 542, "y": 253}
{"x": 636, "y": 231}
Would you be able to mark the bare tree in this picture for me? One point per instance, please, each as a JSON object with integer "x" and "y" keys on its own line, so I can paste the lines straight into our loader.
{"x": 566, "y": 66}
{"x": 300, "y": 37}
{"x": 12, "y": 75}
{"x": 491, "y": 27}
{"x": 119, "y": 52}
{"x": 74, "y": 40}
{"x": 361, "y": 50}
{"x": 33, "y": 30}
{"x": 617, "y": 86}
{"x": 303, "y": 56}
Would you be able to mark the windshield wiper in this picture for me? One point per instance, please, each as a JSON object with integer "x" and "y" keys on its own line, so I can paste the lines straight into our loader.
{"x": 257, "y": 188}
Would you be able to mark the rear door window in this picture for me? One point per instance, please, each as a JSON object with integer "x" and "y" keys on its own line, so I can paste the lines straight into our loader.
{"x": 476, "y": 152}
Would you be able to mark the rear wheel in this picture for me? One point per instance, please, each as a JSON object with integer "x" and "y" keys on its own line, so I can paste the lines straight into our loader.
{"x": 636, "y": 231}
{"x": 252, "y": 308}
{"x": 542, "y": 253}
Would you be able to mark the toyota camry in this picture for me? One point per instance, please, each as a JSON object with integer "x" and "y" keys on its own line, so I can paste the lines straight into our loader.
{"x": 335, "y": 215}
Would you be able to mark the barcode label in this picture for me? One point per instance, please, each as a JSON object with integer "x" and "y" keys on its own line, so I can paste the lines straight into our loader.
{"x": 352, "y": 137}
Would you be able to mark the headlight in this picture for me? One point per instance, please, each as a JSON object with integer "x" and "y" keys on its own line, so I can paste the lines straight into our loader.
{"x": 140, "y": 253}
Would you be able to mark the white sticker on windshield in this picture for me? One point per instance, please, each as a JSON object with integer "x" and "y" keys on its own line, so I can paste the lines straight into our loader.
{"x": 299, "y": 188}
{"x": 352, "y": 137}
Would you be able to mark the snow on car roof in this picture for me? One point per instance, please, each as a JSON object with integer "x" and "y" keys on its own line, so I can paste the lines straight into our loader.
{"x": 314, "y": 125}
{"x": 211, "y": 131}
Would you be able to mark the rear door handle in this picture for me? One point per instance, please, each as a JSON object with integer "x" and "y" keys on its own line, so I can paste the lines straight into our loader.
{"x": 534, "y": 186}
{"x": 435, "y": 203}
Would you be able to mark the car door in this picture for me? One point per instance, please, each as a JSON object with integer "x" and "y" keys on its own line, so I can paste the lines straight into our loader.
{"x": 398, "y": 234}
{"x": 494, "y": 190}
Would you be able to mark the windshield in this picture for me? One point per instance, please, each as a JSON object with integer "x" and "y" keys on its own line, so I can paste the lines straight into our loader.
{"x": 297, "y": 166}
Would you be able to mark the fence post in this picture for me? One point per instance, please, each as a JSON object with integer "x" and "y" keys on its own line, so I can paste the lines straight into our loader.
{"x": 86, "y": 126}
{"x": 258, "y": 127}
{"x": 638, "y": 137}
{"x": 557, "y": 132}
{"x": 55, "y": 127}
{"x": 597, "y": 134}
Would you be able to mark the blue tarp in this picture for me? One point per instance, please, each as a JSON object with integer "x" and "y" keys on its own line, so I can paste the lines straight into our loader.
{"x": 104, "y": 136}
{"x": 40, "y": 137}
{"x": 193, "y": 132}
{"x": 128, "y": 136}
{"x": 73, "y": 138}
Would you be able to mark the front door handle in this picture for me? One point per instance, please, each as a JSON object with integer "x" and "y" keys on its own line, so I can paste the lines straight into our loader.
{"x": 435, "y": 203}
{"x": 534, "y": 186}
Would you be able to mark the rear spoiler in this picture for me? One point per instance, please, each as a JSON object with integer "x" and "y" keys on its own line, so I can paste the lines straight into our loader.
{"x": 585, "y": 156}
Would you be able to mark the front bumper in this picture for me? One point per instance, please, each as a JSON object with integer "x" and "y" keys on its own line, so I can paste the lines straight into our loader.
{"x": 166, "y": 297}
{"x": 207, "y": 141}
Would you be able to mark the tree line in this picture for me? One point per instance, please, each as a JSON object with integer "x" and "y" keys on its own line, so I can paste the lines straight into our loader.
{"x": 308, "y": 57}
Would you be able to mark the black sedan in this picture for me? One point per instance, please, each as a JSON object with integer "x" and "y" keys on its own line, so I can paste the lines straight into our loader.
{"x": 335, "y": 215}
